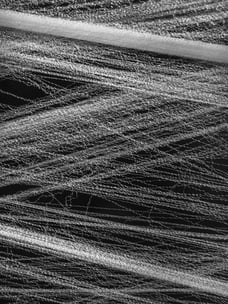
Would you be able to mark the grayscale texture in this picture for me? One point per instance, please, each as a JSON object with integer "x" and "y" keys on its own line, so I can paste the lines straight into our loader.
{"x": 113, "y": 161}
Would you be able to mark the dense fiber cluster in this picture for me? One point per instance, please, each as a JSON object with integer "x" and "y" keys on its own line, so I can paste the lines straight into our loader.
{"x": 113, "y": 181}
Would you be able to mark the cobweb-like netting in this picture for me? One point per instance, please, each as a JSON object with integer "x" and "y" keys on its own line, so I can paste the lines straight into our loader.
{"x": 204, "y": 20}
{"x": 113, "y": 175}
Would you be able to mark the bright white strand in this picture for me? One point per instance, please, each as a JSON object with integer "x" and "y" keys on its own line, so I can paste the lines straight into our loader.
{"x": 94, "y": 255}
{"x": 115, "y": 37}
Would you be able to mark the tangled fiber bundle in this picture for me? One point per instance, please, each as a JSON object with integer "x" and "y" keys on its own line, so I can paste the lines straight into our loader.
{"x": 112, "y": 170}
